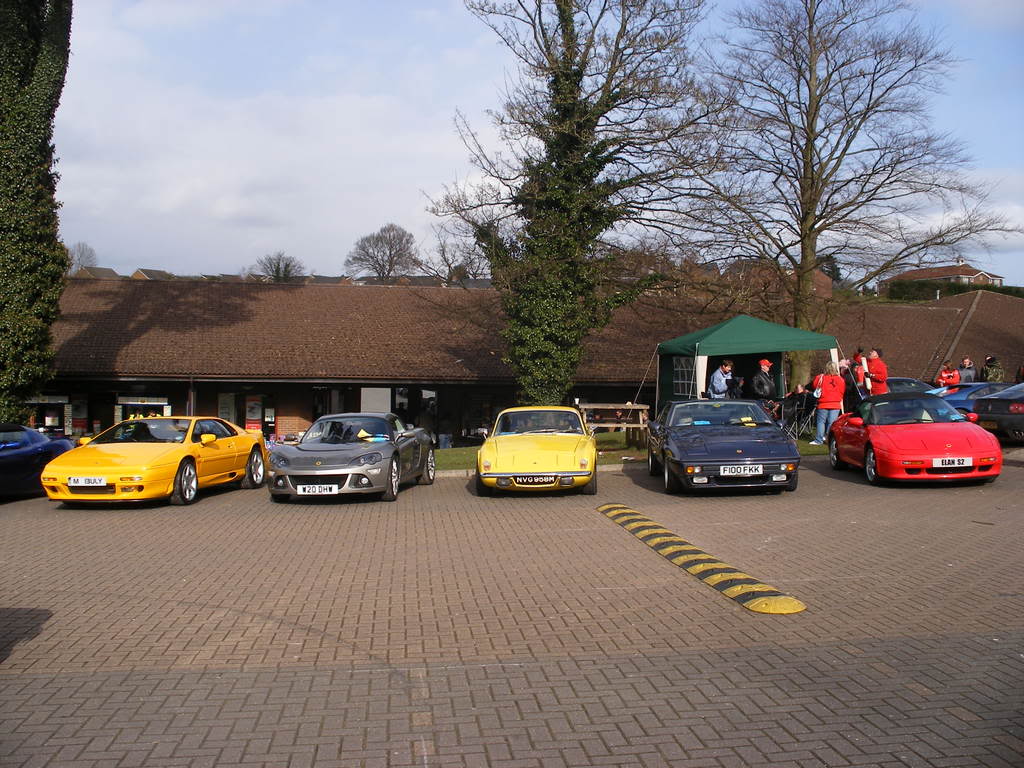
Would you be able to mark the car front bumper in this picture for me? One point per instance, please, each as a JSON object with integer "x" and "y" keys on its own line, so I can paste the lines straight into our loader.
{"x": 121, "y": 485}
{"x": 305, "y": 483}
{"x": 709, "y": 474}
{"x": 919, "y": 467}
{"x": 536, "y": 481}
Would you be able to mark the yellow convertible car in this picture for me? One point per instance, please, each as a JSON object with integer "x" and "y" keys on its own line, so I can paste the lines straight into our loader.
{"x": 159, "y": 457}
{"x": 537, "y": 449}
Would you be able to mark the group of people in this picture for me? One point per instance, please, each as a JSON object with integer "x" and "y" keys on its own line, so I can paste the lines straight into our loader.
{"x": 839, "y": 387}
{"x": 967, "y": 372}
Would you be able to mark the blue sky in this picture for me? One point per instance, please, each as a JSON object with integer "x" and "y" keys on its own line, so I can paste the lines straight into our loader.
{"x": 198, "y": 135}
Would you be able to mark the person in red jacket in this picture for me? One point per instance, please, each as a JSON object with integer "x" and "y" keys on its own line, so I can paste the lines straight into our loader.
{"x": 830, "y": 401}
{"x": 877, "y": 372}
{"x": 948, "y": 376}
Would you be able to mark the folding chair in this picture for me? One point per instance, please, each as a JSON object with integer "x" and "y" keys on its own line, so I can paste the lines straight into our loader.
{"x": 799, "y": 416}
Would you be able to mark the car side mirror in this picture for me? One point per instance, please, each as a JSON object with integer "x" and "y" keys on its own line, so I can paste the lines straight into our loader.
{"x": 971, "y": 417}
{"x": 653, "y": 426}
{"x": 84, "y": 440}
{"x": 408, "y": 433}
{"x": 855, "y": 421}
{"x": 206, "y": 438}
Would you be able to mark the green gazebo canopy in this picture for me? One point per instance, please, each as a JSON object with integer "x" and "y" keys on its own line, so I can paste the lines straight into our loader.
{"x": 745, "y": 335}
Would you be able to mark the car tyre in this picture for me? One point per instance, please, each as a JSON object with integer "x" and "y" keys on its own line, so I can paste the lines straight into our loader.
{"x": 672, "y": 482}
{"x": 391, "y": 490}
{"x": 590, "y": 489}
{"x": 186, "y": 484}
{"x": 652, "y": 463}
{"x": 794, "y": 481}
{"x": 833, "y": 455}
{"x": 429, "y": 469}
{"x": 871, "y": 466}
{"x": 481, "y": 488}
{"x": 255, "y": 469}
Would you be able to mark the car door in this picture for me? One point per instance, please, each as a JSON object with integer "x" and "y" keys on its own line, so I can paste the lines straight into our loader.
{"x": 217, "y": 457}
{"x": 406, "y": 447}
{"x": 852, "y": 439}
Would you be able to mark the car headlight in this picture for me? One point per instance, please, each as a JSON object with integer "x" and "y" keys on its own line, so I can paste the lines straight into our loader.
{"x": 370, "y": 458}
{"x": 279, "y": 460}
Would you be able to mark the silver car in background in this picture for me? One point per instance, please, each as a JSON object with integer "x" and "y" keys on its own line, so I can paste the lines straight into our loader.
{"x": 347, "y": 453}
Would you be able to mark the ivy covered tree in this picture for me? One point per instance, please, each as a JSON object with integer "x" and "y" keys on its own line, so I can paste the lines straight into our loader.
{"x": 598, "y": 129}
{"x": 34, "y": 44}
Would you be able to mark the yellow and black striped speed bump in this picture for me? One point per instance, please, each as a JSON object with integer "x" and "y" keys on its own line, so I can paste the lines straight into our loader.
{"x": 741, "y": 587}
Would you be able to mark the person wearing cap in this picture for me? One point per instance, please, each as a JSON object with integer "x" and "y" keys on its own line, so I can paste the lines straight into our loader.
{"x": 877, "y": 372}
{"x": 762, "y": 385}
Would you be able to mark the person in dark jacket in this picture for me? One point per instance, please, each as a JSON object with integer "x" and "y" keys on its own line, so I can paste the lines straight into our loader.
{"x": 992, "y": 371}
{"x": 967, "y": 370}
{"x": 762, "y": 385}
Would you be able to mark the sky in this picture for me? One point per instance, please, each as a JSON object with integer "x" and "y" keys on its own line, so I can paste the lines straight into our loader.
{"x": 197, "y": 135}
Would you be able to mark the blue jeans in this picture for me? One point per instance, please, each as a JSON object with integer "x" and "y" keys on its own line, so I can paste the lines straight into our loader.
{"x": 825, "y": 418}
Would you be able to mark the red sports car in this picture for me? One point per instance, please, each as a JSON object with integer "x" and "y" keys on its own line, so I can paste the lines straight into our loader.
{"x": 913, "y": 436}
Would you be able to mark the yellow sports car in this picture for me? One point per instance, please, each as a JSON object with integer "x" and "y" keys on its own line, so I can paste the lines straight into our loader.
{"x": 159, "y": 457}
{"x": 537, "y": 449}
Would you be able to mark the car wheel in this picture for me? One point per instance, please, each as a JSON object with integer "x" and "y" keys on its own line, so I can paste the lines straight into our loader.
{"x": 186, "y": 484}
{"x": 794, "y": 481}
{"x": 652, "y": 463}
{"x": 391, "y": 491}
{"x": 255, "y": 470}
{"x": 481, "y": 488}
{"x": 590, "y": 489}
{"x": 833, "y": 455}
{"x": 871, "y": 466}
{"x": 672, "y": 482}
{"x": 429, "y": 469}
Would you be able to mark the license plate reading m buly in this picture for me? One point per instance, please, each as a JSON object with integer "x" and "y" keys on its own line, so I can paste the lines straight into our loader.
{"x": 87, "y": 481}
{"x": 742, "y": 470}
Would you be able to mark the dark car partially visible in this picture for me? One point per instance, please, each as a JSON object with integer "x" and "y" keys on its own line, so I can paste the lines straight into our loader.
{"x": 1003, "y": 412}
{"x": 23, "y": 454}
{"x": 706, "y": 444}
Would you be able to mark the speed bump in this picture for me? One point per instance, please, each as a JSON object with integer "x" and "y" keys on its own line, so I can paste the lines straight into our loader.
{"x": 749, "y": 592}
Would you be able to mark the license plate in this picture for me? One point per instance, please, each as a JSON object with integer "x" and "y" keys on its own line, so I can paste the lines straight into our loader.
{"x": 952, "y": 461}
{"x": 534, "y": 479}
{"x": 315, "y": 490}
{"x": 742, "y": 470}
{"x": 87, "y": 481}
{"x": 988, "y": 425}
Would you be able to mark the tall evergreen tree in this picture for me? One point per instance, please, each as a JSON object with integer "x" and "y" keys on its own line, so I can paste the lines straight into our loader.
{"x": 34, "y": 44}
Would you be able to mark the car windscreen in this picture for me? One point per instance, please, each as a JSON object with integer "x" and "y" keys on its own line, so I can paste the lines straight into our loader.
{"x": 13, "y": 438}
{"x": 718, "y": 414}
{"x": 528, "y": 422}
{"x": 358, "y": 429}
{"x": 146, "y": 431}
{"x": 914, "y": 410}
{"x": 1010, "y": 393}
{"x": 908, "y": 385}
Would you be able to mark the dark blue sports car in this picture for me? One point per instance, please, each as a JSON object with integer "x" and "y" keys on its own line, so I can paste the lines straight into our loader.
{"x": 696, "y": 444}
{"x": 23, "y": 454}
{"x": 962, "y": 396}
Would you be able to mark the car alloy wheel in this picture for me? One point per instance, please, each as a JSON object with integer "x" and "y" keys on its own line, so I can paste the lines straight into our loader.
{"x": 429, "y": 468}
{"x": 652, "y": 463}
{"x": 672, "y": 483}
{"x": 833, "y": 455}
{"x": 186, "y": 484}
{"x": 255, "y": 470}
{"x": 391, "y": 491}
{"x": 871, "y": 467}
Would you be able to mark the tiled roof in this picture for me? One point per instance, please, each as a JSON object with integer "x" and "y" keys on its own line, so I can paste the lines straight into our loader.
{"x": 932, "y": 273}
{"x": 364, "y": 333}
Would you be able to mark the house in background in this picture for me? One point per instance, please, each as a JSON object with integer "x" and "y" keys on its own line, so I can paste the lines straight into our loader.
{"x": 961, "y": 272}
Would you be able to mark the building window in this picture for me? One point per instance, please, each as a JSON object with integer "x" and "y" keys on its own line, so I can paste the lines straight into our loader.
{"x": 683, "y": 384}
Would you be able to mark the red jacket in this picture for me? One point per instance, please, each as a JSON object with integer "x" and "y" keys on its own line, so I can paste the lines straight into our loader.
{"x": 832, "y": 390}
{"x": 948, "y": 377}
{"x": 878, "y": 372}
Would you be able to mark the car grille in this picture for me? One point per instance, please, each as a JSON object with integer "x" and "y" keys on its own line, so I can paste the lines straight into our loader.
{"x": 951, "y": 470}
{"x": 92, "y": 490}
{"x": 338, "y": 480}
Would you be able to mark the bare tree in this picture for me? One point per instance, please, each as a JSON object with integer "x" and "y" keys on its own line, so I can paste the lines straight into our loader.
{"x": 599, "y": 131}
{"x": 386, "y": 254}
{"x": 81, "y": 255}
{"x": 278, "y": 268}
{"x": 828, "y": 160}
{"x": 454, "y": 259}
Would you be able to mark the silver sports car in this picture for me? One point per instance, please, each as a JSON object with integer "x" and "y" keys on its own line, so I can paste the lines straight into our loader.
{"x": 352, "y": 453}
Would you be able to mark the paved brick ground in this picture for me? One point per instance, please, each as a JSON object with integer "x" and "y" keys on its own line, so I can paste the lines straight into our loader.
{"x": 446, "y": 630}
